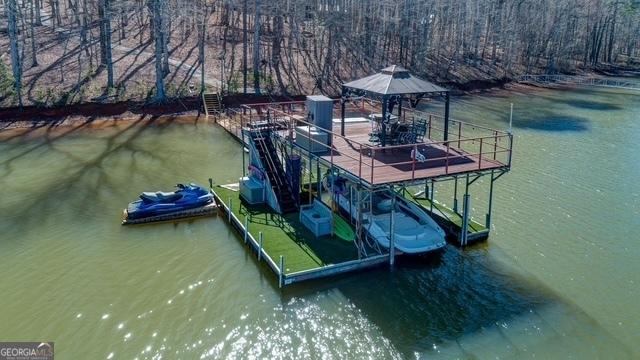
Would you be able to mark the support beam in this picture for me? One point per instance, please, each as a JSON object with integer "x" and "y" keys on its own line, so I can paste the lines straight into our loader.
{"x": 488, "y": 217}
{"x": 446, "y": 116}
{"x": 392, "y": 226}
{"x": 431, "y": 195}
{"x": 455, "y": 194}
{"x": 464, "y": 231}
{"x": 385, "y": 106}
{"x": 343, "y": 100}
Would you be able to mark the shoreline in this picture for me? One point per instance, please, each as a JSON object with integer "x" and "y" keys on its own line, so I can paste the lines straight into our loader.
{"x": 96, "y": 115}
{"x": 100, "y": 115}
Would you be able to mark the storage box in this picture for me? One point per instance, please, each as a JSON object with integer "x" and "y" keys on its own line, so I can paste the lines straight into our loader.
{"x": 252, "y": 190}
{"x": 312, "y": 139}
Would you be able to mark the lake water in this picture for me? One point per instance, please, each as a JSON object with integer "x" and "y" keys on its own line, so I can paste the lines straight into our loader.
{"x": 559, "y": 275}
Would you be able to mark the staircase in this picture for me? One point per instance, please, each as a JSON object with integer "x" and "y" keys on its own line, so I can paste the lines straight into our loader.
{"x": 274, "y": 170}
{"x": 212, "y": 103}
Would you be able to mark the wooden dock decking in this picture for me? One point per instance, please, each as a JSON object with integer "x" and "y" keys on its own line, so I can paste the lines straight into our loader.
{"x": 467, "y": 151}
{"x": 394, "y": 164}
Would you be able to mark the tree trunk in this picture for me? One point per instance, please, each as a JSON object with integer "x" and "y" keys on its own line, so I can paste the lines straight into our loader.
{"x": 256, "y": 49}
{"x": 34, "y": 59}
{"x": 244, "y": 46}
{"x": 16, "y": 61}
{"x": 158, "y": 8}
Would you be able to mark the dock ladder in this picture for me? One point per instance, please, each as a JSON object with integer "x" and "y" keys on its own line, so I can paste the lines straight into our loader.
{"x": 212, "y": 103}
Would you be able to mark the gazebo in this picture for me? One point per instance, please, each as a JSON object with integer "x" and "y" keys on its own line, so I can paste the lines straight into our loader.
{"x": 392, "y": 86}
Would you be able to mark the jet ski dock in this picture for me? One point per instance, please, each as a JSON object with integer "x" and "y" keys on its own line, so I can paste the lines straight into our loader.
{"x": 207, "y": 210}
{"x": 187, "y": 202}
{"x": 375, "y": 139}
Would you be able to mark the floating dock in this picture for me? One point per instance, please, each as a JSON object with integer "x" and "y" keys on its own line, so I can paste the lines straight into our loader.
{"x": 291, "y": 251}
{"x": 207, "y": 210}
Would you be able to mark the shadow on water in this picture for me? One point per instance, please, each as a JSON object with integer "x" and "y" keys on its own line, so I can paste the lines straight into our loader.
{"x": 552, "y": 123}
{"x": 590, "y": 105}
{"x": 82, "y": 178}
{"x": 582, "y": 104}
{"x": 433, "y": 302}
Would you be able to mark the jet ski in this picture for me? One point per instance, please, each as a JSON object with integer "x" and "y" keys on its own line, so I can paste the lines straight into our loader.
{"x": 159, "y": 203}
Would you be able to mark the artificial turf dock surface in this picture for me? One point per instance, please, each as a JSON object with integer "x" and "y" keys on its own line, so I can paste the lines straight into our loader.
{"x": 285, "y": 235}
{"x": 450, "y": 215}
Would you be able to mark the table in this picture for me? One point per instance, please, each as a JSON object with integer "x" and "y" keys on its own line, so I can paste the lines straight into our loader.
{"x": 393, "y": 119}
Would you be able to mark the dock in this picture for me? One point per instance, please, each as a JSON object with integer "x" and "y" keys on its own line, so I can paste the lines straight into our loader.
{"x": 289, "y": 249}
{"x": 189, "y": 214}
{"x": 293, "y": 148}
{"x": 451, "y": 220}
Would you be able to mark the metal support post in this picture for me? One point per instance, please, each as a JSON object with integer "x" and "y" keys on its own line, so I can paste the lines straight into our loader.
{"x": 431, "y": 195}
{"x": 488, "y": 217}
{"x": 455, "y": 194}
{"x": 465, "y": 219}
{"x": 246, "y": 229}
{"x": 281, "y": 272}
{"x": 392, "y": 236}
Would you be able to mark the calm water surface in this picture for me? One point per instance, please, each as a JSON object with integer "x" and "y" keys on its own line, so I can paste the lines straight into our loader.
{"x": 558, "y": 277}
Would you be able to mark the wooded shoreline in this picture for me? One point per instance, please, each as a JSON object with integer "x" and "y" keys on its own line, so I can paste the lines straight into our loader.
{"x": 28, "y": 116}
{"x": 62, "y": 53}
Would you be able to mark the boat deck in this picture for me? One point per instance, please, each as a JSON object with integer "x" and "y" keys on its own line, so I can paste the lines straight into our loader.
{"x": 304, "y": 256}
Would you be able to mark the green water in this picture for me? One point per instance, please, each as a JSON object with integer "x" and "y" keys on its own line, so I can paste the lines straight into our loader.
{"x": 558, "y": 277}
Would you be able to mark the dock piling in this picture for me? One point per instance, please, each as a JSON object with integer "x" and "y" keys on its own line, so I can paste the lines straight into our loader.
{"x": 392, "y": 242}
{"x": 246, "y": 229}
{"x": 465, "y": 219}
{"x": 281, "y": 272}
{"x": 455, "y": 194}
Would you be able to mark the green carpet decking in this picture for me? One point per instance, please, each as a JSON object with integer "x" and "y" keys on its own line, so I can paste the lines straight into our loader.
{"x": 449, "y": 215}
{"x": 285, "y": 235}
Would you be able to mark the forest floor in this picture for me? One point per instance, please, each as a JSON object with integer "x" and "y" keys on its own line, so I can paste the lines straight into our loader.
{"x": 67, "y": 82}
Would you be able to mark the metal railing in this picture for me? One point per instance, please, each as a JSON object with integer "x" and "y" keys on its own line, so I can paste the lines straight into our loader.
{"x": 486, "y": 148}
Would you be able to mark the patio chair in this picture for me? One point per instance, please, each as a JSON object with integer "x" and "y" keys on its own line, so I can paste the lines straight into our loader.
{"x": 419, "y": 129}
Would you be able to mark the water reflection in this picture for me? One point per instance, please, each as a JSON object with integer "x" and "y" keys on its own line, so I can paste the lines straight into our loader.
{"x": 440, "y": 306}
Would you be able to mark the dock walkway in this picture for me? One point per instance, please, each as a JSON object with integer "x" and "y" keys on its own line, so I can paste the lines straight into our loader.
{"x": 284, "y": 237}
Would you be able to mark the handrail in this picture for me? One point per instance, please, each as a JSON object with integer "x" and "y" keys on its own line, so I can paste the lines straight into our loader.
{"x": 281, "y": 118}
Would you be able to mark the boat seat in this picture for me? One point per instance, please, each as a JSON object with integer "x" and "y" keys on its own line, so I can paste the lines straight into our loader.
{"x": 159, "y": 196}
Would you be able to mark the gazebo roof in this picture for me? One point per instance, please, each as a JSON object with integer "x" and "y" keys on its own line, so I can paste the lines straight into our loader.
{"x": 394, "y": 80}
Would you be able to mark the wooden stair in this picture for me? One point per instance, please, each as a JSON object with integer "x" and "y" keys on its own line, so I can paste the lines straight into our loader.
{"x": 212, "y": 103}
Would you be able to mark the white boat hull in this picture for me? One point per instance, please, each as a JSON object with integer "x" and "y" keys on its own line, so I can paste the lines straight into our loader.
{"x": 414, "y": 230}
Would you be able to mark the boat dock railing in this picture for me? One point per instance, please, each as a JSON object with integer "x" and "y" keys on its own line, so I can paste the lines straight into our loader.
{"x": 487, "y": 148}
